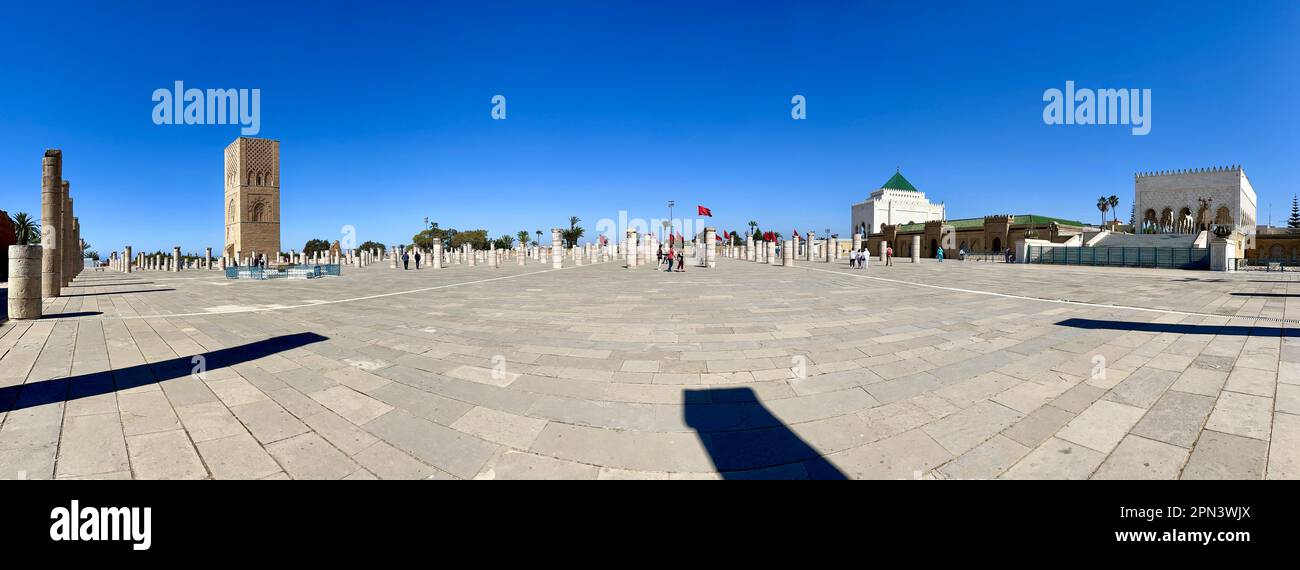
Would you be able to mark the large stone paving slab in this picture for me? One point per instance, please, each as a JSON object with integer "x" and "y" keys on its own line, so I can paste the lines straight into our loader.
{"x": 953, "y": 370}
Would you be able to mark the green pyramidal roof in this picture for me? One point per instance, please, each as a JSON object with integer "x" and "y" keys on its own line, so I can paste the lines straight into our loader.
{"x": 897, "y": 182}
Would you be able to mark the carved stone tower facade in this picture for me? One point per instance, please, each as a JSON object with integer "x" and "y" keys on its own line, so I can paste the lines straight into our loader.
{"x": 252, "y": 197}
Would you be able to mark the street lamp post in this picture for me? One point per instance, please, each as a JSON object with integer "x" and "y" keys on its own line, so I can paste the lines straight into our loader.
{"x": 669, "y": 225}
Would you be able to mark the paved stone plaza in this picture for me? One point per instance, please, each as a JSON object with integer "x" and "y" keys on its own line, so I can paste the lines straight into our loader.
{"x": 599, "y": 372}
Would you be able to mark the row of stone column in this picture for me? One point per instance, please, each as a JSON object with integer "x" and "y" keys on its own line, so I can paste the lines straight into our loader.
{"x": 438, "y": 256}
{"x": 42, "y": 271}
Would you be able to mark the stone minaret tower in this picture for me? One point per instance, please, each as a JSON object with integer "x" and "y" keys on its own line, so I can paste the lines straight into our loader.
{"x": 252, "y": 197}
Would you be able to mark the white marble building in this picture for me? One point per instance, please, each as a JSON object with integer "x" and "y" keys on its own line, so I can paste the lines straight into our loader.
{"x": 1195, "y": 200}
{"x": 896, "y": 202}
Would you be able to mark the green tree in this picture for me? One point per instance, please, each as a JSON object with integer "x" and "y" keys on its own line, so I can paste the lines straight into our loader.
{"x": 28, "y": 233}
{"x": 1113, "y": 202}
{"x": 753, "y": 228}
{"x": 316, "y": 245}
{"x": 478, "y": 239}
{"x": 574, "y": 233}
{"x": 1104, "y": 206}
{"x": 372, "y": 245}
{"x": 504, "y": 242}
{"x": 523, "y": 237}
{"x": 1294, "y": 221}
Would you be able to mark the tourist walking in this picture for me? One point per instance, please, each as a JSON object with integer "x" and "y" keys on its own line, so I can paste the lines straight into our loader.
{"x": 659, "y": 257}
{"x": 889, "y": 255}
{"x": 406, "y": 261}
{"x": 681, "y": 261}
{"x": 669, "y": 258}
{"x": 417, "y": 259}
{"x": 863, "y": 258}
{"x": 939, "y": 254}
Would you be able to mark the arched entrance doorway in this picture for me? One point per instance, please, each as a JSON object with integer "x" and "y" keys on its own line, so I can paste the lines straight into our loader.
{"x": 997, "y": 244}
{"x": 934, "y": 248}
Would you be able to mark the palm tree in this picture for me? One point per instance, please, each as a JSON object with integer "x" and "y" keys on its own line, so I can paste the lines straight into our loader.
{"x": 574, "y": 233}
{"x": 1113, "y": 202}
{"x": 753, "y": 226}
{"x": 539, "y": 237}
{"x": 1104, "y": 206}
{"x": 523, "y": 238}
{"x": 25, "y": 228}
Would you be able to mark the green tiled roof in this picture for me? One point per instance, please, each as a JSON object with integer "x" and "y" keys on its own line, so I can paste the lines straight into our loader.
{"x": 897, "y": 182}
{"x": 1044, "y": 220}
{"x": 973, "y": 223}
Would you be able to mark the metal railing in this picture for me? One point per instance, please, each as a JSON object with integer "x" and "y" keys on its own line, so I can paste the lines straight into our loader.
{"x": 1167, "y": 257}
{"x": 257, "y": 273}
{"x": 1266, "y": 264}
{"x": 995, "y": 256}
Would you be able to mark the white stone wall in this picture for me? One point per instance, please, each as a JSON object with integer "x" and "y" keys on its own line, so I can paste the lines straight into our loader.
{"x": 1225, "y": 186}
{"x": 887, "y": 206}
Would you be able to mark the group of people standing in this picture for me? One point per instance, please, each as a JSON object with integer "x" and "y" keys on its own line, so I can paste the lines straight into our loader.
{"x": 861, "y": 258}
{"x": 667, "y": 258}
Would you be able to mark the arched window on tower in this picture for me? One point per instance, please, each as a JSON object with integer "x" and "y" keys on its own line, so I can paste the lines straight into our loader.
{"x": 259, "y": 212}
{"x": 231, "y": 209}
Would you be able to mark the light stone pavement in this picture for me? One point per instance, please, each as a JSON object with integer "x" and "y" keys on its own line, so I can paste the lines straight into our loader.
{"x": 598, "y": 372}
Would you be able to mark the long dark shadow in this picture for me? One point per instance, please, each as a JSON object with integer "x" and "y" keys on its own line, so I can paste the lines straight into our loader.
{"x": 118, "y": 292}
{"x": 746, "y": 441}
{"x": 71, "y": 315}
{"x": 1234, "y": 330}
{"x": 1241, "y": 294}
{"x": 40, "y": 393}
{"x": 105, "y": 283}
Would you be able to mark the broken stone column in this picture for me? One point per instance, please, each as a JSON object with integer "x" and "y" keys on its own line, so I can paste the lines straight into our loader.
{"x": 630, "y": 248}
{"x": 51, "y": 222}
{"x": 437, "y": 253}
{"x": 25, "y": 273}
{"x": 207, "y": 258}
{"x": 916, "y": 249}
{"x": 81, "y": 247}
{"x": 884, "y": 249}
{"x": 176, "y": 258}
{"x": 787, "y": 253}
{"x": 711, "y": 247}
{"x": 808, "y": 246}
{"x": 71, "y": 254}
{"x": 127, "y": 258}
{"x": 557, "y": 249}
{"x": 857, "y": 242}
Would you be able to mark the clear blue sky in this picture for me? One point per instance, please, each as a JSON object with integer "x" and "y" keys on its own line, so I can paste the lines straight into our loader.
{"x": 382, "y": 109}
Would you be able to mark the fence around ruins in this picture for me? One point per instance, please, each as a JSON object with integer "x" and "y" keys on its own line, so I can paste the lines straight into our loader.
{"x": 1166, "y": 257}
{"x": 257, "y": 273}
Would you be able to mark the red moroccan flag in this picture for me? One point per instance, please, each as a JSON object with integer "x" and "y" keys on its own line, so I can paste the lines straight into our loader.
{"x": 704, "y": 211}
{"x": 796, "y": 233}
